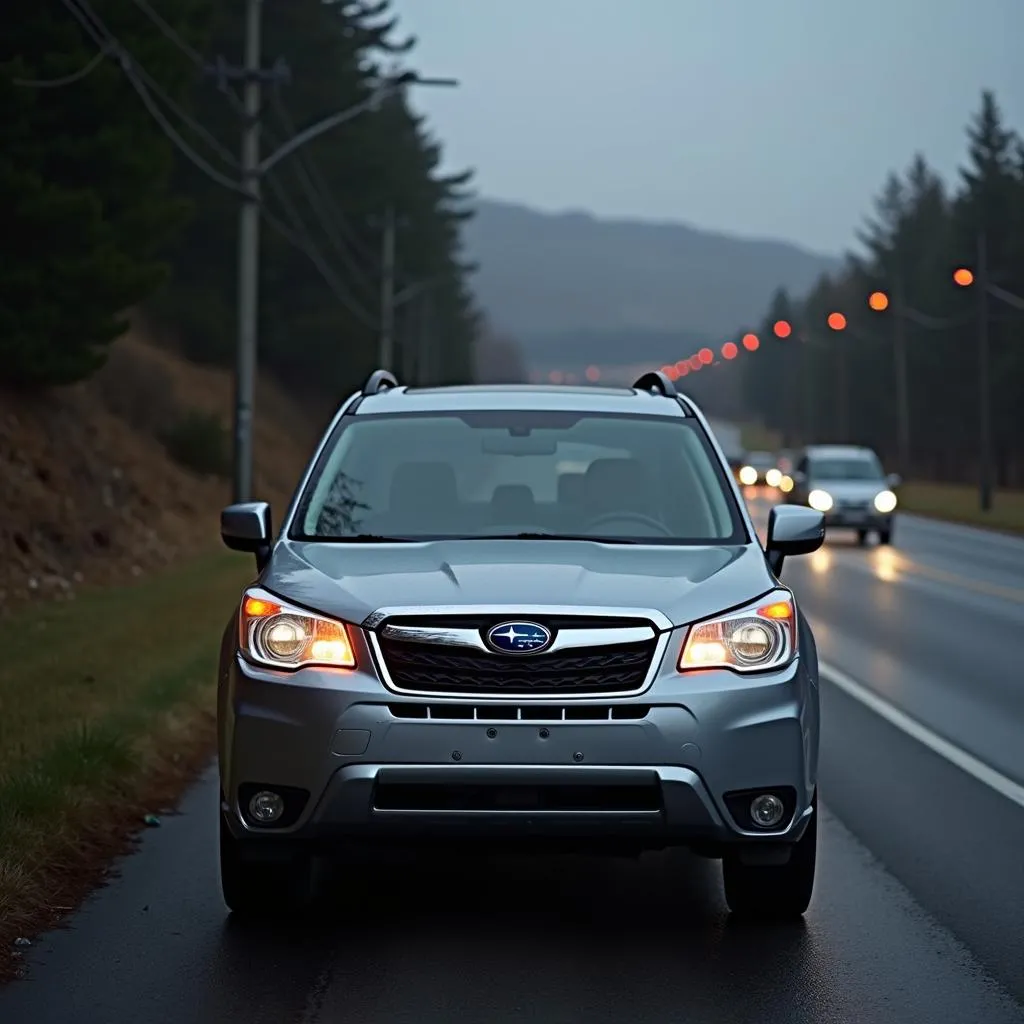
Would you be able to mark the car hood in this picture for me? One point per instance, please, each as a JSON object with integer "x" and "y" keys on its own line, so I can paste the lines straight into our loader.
{"x": 353, "y": 581}
{"x": 850, "y": 490}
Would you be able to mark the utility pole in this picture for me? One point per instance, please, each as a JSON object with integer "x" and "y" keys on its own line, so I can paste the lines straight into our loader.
{"x": 985, "y": 481}
{"x": 902, "y": 383}
{"x": 387, "y": 291}
{"x": 248, "y": 259}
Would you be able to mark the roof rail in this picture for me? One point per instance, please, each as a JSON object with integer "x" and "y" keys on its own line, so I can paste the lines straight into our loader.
{"x": 656, "y": 381}
{"x": 378, "y": 381}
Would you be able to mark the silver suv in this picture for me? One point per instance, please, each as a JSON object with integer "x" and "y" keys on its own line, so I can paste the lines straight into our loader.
{"x": 847, "y": 484}
{"x": 514, "y": 614}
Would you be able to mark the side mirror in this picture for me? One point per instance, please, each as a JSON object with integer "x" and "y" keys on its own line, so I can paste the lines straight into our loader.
{"x": 793, "y": 530}
{"x": 893, "y": 480}
{"x": 246, "y": 527}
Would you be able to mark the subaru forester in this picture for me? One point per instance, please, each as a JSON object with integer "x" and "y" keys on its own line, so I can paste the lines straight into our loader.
{"x": 519, "y": 614}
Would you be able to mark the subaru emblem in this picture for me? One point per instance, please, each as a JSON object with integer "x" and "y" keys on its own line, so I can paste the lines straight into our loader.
{"x": 519, "y": 638}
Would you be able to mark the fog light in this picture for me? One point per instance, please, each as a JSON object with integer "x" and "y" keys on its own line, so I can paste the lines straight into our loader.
{"x": 266, "y": 807}
{"x": 766, "y": 810}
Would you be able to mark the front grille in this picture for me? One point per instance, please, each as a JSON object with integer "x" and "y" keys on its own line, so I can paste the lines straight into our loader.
{"x": 438, "y": 668}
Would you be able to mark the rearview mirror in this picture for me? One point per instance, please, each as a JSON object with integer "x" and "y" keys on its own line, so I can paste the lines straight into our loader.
{"x": 246, "y": 527}
{"x": 793, "y": 530}
{"x": 504, "y": 444}
{"x": 893, "y": 480}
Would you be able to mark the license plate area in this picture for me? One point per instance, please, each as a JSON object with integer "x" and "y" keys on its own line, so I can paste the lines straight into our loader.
{"x": 519, "y": 743}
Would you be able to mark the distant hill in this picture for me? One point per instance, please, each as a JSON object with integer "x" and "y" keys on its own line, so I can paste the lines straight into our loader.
{"x": 553, "y": 280}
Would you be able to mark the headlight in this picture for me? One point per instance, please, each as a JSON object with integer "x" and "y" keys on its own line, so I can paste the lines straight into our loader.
{"x": 820, "y": 501}
{"x": 748, "y": 476}
{"x": 276, "y": 634}
{"x": 786, "y": 484}
{"x": 756, "y": 638}
{"x": 773, "y": 478}
{"x": 885, "y": 502}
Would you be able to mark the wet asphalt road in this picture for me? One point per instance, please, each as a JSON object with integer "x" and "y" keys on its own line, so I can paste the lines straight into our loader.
{"x": 915, "y": 918}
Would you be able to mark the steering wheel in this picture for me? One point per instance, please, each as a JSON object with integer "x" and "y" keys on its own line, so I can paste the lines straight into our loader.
{"x": 637, "y": 517}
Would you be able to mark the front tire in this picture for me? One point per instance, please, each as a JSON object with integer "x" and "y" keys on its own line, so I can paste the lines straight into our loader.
{"x": 885, "y": 536}
{"x": 862, "y": 538}
{"x": 777, "y": 892}
{"x": 254, "y": 888}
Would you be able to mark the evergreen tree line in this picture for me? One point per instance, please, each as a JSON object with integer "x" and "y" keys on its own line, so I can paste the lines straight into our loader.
{"x": 104, "y": 213}
{"x": 824, "y": 385}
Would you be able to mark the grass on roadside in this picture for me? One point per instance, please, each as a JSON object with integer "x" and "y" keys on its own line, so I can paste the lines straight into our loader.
{"x": 106, "y": 705}
{"x": 958, "y": 503}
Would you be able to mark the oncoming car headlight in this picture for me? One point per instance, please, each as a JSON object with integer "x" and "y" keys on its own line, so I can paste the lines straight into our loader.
{"x": 748, "y": 476}
{"x": 276, "y": 634}
{"x": 885, "y": 502}
{"x": 820, "y": 501}
{"x": 758, "y": 637}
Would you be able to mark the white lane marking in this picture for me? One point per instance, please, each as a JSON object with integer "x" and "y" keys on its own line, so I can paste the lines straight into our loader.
{"x": 956, "y": 756}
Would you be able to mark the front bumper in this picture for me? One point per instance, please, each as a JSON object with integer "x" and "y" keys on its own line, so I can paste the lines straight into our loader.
{"x": 653, "y": 770}
{"x": 858, "y": 519}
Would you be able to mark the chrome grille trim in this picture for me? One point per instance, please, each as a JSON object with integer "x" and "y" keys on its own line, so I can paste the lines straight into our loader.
{"x": 565, "y": 639}
{"x": 660, "y": 621}
{"x": 478, "y": 696}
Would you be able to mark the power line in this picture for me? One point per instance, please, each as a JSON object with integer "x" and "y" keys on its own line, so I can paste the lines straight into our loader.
{"x": 111, "y": 43}
{"x": 320, "y": 199}
{"x": 170, "y": 32}
{"x": 128, "y": 66}
{"x": 310, "y": 180}
{"x": 57, "y": 83}
{"x": 299, "y": 235}
{"x": 170, "y": 131}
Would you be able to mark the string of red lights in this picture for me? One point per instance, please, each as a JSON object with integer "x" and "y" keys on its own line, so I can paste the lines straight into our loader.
{"x": 878, "y": 301}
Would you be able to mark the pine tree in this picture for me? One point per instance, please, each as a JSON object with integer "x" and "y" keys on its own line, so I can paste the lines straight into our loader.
{"x": 84, "y": 176}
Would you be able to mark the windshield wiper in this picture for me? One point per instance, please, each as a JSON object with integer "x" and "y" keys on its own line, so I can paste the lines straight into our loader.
{"x": 553, "y": 536}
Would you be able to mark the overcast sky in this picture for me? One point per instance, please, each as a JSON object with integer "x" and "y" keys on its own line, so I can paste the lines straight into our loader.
{"x": 774, "y": 118}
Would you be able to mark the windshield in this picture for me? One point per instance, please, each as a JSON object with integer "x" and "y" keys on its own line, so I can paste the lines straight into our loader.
{"x": 512, "y": 473}
{"x": 865, "y": 467}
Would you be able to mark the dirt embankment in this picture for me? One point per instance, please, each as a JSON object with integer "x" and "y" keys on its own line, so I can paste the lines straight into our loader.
{"x": 121, "y": 475}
